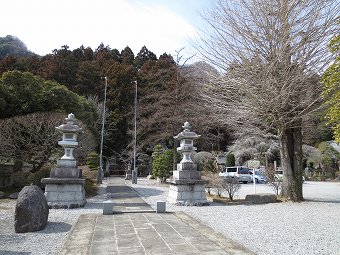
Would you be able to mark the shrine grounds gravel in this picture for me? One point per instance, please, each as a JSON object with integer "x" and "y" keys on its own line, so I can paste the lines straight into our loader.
{"x": 286, "y": 228}
{"x": 51, "y": 239}
{"x": 311, "y": 227}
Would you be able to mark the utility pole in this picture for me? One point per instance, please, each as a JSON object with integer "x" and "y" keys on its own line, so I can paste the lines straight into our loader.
{"x": 134, "y": 172}
{"x": 100, "y": 171}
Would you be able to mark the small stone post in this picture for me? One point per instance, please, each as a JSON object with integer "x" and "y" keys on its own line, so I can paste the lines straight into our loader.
{"x": 186, "y": 186}
{"x": 65, "y": 187}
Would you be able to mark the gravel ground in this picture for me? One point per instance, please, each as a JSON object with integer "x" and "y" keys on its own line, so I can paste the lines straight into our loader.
{"x": 60, "y": 222}
{"x": 283, "y": 228}
{"x": 308, "y": 228}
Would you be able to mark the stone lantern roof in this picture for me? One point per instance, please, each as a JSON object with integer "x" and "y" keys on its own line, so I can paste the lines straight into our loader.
{"x": 70, "y": 126}
{"x": 186, "y": 133}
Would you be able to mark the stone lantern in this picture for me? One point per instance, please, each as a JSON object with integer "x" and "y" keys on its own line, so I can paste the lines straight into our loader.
{"x": 65, "y": 187}
{"x": 186, "y": 186}
{"x": 69, "y": 130}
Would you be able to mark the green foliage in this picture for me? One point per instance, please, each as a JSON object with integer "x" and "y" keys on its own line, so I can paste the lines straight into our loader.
{"x": 162, "y": 161}
{"x": 23, "y": 93}
{"x": 36, "y": 177}
{"x": 143, "y": 163}
{"x": 328, "y": 154}
{"x": 230, "y": 160}
{"x": 92, "y": 160}
{"x": 90, "y": 187}
{"x": 64, "y": 72}
{"x": 331, "y": 93}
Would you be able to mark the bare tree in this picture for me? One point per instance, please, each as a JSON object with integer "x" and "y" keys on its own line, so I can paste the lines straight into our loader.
{"x": 274, "y": 181}
{"x": 271, "y": 54}
{"x": 31, "y": 138}
{"x": 231, "y": 186}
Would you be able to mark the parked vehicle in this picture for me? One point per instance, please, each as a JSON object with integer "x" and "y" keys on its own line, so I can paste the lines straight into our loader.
{"x": 239, "y": 172}
{"x": 259, "y": 176}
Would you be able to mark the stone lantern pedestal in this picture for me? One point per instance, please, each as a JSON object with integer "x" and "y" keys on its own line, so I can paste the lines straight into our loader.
{"x": 65, "y": 187}
{"x": 186, "y": 186}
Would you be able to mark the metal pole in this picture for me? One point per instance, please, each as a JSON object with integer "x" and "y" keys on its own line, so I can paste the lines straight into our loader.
{"x": 254, "y": 181}
{"x": 100, "y": 172}
{"x": 134, "y": 176}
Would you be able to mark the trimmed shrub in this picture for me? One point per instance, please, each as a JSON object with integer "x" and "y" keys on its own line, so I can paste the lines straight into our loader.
{"x": 90, "y": 187}
{"x": 230, "y": 160}
{"x": 92, "y": 160}
{"x": 162, "y": 161}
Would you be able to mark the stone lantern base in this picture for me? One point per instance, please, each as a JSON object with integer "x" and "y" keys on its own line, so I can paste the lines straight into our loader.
{"x": 64, "y": 192}
{"x": 187, "y": 192}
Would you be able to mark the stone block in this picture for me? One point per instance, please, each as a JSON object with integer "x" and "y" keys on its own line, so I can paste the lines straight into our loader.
{"x": 80, "y": 196}
{"x": 51, "y": 188}
{"x": 107, "y": 207}
{"x": 66, "y": 172}
{"x": 261, "y": 198}
{"x": 174, "y": 194}
{"x": 160, "y": 207}
{"x": 67, "y": 163}
{"x": 52, "y": 196}
{"x": 186, "y": 195}
{"x": 68, "y": 196}
{"x": 197, "y": 195}
{"x": 186, "y": 175}
{"x": 171, "y": 200}
{"x": 184, "y": 188}
{"x": 65, "y": 194}
{"x": 199, "y": 187}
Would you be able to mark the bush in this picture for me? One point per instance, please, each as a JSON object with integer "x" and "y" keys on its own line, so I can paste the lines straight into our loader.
{"x": 211, "y": 166}
{"x": 36, "y": 177}
{"x": 230, "y": 160}
{"x": 274, "y": 182}
{"x": 92, "y": 160}
{"x": 220, "y": 185}
{"x": 231, "y": 186}
{"x": 337, "y": 175}
{"x": 19, "y": 179}
{"x": 90, "y": 187}
{"x": 201, "y": 158}
{"x": 209, "y": 176}
{"x": 214, "y": 183}
{"x": 162, "y": 161}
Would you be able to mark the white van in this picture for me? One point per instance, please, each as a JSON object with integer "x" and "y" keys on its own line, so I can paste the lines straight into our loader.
{"x": 240, "y": 172}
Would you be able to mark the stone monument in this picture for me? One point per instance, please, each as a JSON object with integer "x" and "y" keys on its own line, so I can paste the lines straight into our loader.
{"x": 65, "y": 187}
{"x": 186, "y": 185}
{"x": 31, "y": 210}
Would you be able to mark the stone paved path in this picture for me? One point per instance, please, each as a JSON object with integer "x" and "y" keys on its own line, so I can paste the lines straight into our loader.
{"x": 135, "y": 228}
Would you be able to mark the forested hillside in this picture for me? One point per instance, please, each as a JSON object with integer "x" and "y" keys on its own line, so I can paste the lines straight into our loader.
{"x": 13, "y": 46}
{"x": 167, "y": 93}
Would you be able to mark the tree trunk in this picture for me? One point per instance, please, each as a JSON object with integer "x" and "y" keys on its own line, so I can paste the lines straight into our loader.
{"x": 291, "y": 161}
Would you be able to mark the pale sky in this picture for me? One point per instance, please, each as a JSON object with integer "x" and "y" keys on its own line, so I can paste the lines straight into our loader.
{"x": 44, "y": 25}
